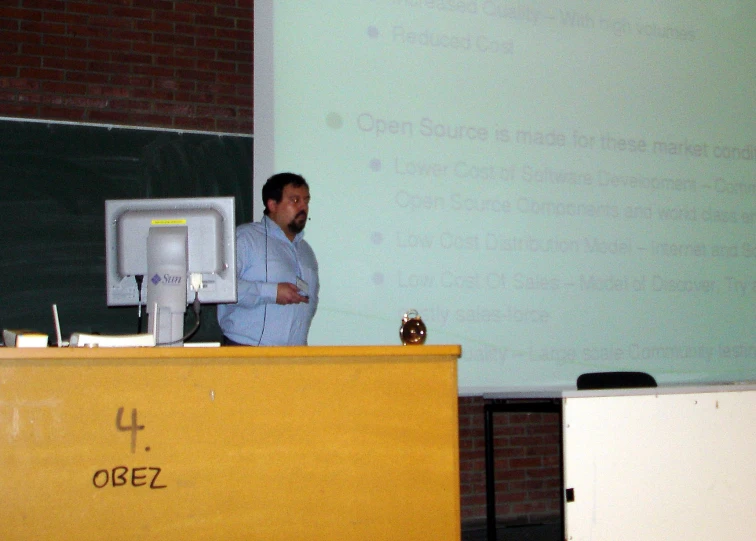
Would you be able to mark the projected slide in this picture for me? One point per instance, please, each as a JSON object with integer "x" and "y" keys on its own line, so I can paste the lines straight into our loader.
{"x": 559, "y": 187}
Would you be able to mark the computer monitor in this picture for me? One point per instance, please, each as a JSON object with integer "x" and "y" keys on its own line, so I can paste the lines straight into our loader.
{"x": 180, "y": 250}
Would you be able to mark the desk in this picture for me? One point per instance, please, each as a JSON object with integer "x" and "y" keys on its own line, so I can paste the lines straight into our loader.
{"x": 667, "y": 463}
{"x": 273, "y": 443}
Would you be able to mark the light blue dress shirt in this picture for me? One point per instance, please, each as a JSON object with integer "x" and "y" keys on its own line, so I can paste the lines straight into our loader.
{"x": 265, "y": 257}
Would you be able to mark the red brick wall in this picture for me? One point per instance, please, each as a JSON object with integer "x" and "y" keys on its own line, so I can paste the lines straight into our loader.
{"x": 168, "y": 64}
{"x": 527, "y": 464}
{"x": 188, "y": 65}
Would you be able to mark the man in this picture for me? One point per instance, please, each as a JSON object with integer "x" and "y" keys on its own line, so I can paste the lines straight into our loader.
{"x": 276, "y": 270}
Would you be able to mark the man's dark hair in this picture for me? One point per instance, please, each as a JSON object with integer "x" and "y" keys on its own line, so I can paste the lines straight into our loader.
{"x": 275, "y": 185}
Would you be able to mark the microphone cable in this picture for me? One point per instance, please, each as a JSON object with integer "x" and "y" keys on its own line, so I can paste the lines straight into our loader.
{"x": 265, "y": 304}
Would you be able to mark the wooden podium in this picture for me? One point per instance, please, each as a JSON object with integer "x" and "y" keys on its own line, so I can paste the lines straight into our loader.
{"x": 286, "y": 443}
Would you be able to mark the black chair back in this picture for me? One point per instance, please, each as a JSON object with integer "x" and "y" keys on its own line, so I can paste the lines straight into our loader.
{"x": 614, "y": 380}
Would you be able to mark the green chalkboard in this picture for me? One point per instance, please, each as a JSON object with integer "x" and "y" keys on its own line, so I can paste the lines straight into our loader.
{"x": 54, "y": 180}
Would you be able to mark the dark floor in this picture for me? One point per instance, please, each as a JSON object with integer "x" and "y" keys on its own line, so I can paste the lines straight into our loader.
{"x": 528, "y": 532}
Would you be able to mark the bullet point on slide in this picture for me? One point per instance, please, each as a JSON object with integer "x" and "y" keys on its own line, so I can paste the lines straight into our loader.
{"x": 373, "y": 32}
{"x": 375, "y": 164}
{"x": 334, "y": 120}
{"x": 377, "y": 237}
{"x": 378, "y": 278}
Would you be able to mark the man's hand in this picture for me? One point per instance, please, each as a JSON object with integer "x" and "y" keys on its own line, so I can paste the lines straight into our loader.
{"x": 289, "y": 294}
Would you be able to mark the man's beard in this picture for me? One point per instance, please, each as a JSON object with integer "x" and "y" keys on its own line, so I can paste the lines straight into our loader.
{"x": 295, "y": 226}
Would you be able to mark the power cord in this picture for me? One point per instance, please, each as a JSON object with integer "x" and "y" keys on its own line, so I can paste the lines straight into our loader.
{"x": 139, "y": 278}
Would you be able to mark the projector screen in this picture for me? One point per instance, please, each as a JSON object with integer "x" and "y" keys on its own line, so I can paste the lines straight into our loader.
{"x": 559, "y": 187}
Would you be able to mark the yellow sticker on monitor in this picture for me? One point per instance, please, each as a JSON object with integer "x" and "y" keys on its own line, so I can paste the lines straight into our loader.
{"x": 173, "y": 221}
